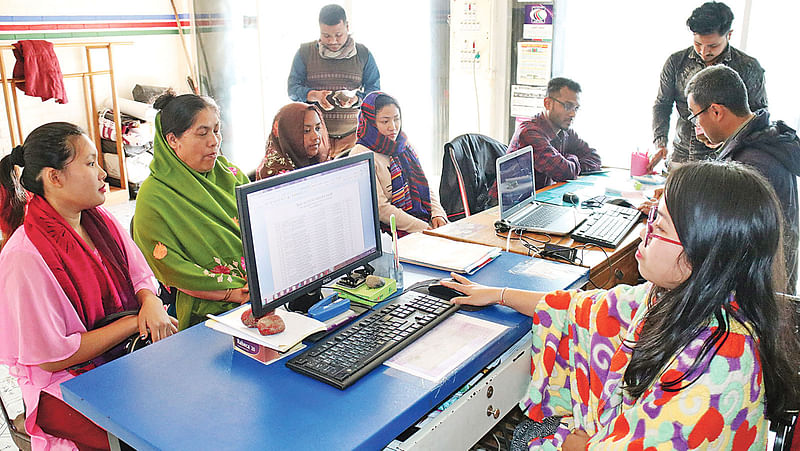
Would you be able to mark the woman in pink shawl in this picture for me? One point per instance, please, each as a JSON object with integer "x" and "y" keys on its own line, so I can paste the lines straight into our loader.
{"x": 67, "y": 267}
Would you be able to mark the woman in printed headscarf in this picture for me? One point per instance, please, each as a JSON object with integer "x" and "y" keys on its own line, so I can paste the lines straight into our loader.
{"x": 186, "y": 220}
{"x": 67, "y": 266}
{"x": 299, "y": 138}
{"x": 403, "y": 189}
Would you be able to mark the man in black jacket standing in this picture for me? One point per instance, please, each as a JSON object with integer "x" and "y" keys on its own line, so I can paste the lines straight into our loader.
{"x": 711, "y": 28}
{"x": 718, "y": 105}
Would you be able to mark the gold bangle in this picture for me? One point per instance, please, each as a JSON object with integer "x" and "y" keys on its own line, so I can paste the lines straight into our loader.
{"x": 502, "y": 293}
{"x": 227, "y": 294}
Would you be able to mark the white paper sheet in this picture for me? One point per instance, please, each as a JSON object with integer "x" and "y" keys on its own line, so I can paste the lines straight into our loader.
{"x": 533, "y": 63}
{"x": 298, "y": 327}
{"x": 443, "y": 349}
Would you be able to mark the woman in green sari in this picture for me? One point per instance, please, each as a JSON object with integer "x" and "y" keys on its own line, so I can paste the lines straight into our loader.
{"x": 186, "y": 221}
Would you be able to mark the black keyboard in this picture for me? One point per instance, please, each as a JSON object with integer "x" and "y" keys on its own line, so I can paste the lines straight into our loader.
{"x": 607, "y": 226}
{"x": 345, "y": 357}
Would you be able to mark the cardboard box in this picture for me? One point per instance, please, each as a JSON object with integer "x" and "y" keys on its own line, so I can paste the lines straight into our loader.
{"x": 261, "y": 353}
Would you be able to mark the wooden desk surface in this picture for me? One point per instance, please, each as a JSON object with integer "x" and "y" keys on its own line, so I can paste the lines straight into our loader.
{"x": 618, "y": 267}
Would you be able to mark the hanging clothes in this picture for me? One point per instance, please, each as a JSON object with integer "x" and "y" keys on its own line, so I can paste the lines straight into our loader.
{"x": 38, "y": 65}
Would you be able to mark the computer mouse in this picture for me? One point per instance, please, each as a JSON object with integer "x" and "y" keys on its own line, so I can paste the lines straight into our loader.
{"x": 570, "y": 198}
{"x": 444, "y": 292}
{"x": 620, "y": 202}
{"x": 441, "y": 291}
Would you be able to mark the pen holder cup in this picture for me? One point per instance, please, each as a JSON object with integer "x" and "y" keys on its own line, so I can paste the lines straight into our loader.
{"x": 397, "y": 275}
{"x": 639, "y": 162}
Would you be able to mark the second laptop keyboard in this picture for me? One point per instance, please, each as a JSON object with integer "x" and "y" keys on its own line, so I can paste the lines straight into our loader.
{"x": 542, "y": 216}
{"x": 607, "y": 226}
{"x": 345, "y": 357}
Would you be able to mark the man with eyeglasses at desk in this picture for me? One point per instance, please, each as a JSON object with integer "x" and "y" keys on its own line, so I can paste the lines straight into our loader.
{"x": 717, "y": 99}
{"x": 558, "y": 153}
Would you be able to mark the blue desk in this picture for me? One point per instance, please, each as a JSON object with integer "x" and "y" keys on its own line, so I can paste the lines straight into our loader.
{"x": 192, "y": 391}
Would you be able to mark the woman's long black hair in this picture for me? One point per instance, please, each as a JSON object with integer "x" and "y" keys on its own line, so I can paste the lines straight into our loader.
{"x": 729, "y": 221}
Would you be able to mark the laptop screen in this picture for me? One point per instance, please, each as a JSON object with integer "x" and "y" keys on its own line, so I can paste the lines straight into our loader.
{"x": 516, "y": 183}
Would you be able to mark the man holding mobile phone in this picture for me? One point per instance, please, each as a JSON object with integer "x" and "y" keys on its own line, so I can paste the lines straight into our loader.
{"x": 336, "y": 73}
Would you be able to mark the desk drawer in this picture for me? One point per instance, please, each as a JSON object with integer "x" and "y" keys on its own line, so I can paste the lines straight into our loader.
{"x": 621, "y": 268}
{"x": 463, "y": 423}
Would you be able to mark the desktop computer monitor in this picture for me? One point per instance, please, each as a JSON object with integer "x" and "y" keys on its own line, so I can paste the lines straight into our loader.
{"x": 307, "y": 227}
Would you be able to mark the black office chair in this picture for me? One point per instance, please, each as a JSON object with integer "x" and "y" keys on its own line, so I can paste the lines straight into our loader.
{"x": 468, "y": 174}
{"x": 785, "y": 428}
{"x": 16, "y": 427}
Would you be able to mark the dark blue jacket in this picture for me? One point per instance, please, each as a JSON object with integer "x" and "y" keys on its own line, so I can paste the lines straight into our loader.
{"x": 773, "y": 149}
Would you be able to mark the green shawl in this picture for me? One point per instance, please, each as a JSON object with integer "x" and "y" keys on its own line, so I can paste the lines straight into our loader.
{"x": 187, "y": 226}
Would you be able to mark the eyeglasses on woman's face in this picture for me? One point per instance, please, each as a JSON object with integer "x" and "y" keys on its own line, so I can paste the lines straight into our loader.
{"x": 651, "y": 218}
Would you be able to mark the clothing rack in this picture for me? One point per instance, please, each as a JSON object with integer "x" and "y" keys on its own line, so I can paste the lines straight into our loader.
{"x": 90, "y": 102}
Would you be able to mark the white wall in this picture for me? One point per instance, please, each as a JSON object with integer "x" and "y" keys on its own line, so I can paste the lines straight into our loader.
{"x": 398, "y": 38}
{"x": 616, "y": 52}
{"x": 151, "y": 60}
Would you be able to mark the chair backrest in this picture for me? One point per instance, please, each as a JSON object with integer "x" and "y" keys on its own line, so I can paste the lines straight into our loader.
{"x": 785, "y": 429}
{"x": 468, "y": 174}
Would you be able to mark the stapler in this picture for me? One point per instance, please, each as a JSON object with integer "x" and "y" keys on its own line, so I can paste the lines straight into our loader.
{"x": 329, "y": 307}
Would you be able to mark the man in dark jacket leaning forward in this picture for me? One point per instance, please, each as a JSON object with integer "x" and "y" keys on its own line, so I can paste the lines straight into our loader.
{"x": 717, "y": 100}
{"x": 710, "y": 25}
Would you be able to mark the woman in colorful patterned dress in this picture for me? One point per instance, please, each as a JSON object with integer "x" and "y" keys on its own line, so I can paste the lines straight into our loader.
{"x": 700, "y": 356}
{"x": 186, "y": 221}
{"x": 298, "y": 138}
{"x": 68, "y": 265}
{"x": 402, "y": 188}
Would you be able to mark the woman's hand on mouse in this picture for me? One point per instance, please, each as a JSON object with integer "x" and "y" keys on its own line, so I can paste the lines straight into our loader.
{"x": 522, "y": 301}
{"x": 476, "y": 294}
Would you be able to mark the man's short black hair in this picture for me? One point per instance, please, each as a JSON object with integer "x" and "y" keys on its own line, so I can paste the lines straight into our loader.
{"x": 711, "y": 17}
{"x": 554, "y": 86}
{"x": 721, "y": 85}
{"x": 332, "y": 15}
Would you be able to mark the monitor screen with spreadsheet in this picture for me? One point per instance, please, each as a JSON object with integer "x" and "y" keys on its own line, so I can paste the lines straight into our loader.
{"x": 306, "y": 227}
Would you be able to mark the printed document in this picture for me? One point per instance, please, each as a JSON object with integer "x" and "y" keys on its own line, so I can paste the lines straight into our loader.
{"x": 446, "y": 347}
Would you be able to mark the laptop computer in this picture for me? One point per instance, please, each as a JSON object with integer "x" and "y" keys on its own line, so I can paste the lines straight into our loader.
{"x": 516, "y": 194}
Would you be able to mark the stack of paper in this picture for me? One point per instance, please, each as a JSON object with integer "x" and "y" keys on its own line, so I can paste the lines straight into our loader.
{"x": 298, "y": 327}
{"x": 442, "y": 253}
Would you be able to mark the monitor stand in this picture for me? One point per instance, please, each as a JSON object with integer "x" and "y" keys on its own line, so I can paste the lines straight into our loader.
{"x": 304, "y": 302}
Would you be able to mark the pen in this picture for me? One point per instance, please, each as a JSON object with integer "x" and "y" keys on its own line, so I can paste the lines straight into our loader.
{"x": 393, "y": 225}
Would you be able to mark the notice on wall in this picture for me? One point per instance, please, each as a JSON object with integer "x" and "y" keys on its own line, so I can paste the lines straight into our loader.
{"x": 533, "y": 62}
{"x": 527, "y": 101}
{"x": 538, "y": 24}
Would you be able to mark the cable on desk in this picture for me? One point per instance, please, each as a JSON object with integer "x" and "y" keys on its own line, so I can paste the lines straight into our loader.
{"x": 605, "y": 254}
{"x": 594, "y": 202}
{"x": 527, "y": 241}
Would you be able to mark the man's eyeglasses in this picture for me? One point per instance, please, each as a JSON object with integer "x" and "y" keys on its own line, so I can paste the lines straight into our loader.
{"x": 650, "y": 235}
{"x": 569, "y": 107}
{"x": 693, "y": 117}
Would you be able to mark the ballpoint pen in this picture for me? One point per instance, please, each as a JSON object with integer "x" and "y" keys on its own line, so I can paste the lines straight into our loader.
{"x": 393, "y": 225}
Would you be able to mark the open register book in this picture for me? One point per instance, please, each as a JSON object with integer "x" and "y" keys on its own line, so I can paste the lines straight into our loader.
{"x": 442, "y": 253}
{"x": 298, "y": 327}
